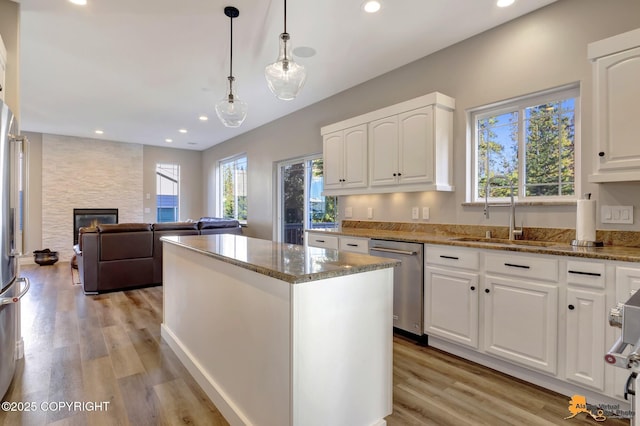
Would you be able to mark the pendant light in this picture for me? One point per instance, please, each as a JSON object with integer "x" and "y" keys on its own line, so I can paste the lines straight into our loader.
{"x": 231, "y": 109}
{"x": 285, "y": 77}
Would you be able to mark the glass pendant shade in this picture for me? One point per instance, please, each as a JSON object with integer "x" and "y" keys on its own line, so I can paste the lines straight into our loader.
{"x": 285, "y": 77}
{"x": 231, "y": 110}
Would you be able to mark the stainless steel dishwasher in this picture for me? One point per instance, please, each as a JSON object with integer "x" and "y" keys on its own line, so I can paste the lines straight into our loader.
{"x": 408, "y": 279}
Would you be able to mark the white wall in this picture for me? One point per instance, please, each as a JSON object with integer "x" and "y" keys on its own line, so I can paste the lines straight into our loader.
{"x": 10, "y": 32}
{"x": 543, "y": 49}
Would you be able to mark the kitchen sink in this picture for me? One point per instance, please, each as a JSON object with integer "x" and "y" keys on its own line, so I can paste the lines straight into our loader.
{"x": 501, "y": 241}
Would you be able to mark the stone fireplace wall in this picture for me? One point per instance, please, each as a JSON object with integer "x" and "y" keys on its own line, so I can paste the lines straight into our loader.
{"x": 87, "y": 173}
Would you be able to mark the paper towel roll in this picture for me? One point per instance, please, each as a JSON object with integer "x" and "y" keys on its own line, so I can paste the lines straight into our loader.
{"x": 586, "y": 220}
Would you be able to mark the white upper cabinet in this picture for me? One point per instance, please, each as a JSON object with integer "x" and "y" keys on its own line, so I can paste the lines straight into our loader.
{"x": 616, "y": 67}
{"x": 401, "y": 148}
{"x": 408, "y": 148}
{"x": 3, "y": 69}
{"x": 345, "y": 158}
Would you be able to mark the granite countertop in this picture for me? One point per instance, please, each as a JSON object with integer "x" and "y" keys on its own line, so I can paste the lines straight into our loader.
{"x": 562, "y": 248}
{"x": 286, "y": 262}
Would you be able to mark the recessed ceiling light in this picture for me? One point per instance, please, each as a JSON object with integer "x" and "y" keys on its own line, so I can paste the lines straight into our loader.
{"x": 183, "y": 130}
{"x": 304, "y": 51}
{"x": 504, "y": 3}
{"x": 168, "y": 140}
{"x": 99, "y": 132}
{"x": 79, "y": 2}
{"x": 203, "y": 118}
{"x": 371, "y": 6}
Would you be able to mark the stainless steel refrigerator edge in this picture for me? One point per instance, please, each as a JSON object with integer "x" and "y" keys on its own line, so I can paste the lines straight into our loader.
{"x": 408, "y": 279}
{"x": 12, "y": 287}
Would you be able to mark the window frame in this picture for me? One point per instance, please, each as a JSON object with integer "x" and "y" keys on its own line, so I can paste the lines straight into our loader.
{"x": 177, "y": 185}
{"x": 519, "y": 104}
{"x": 220, "y": 185}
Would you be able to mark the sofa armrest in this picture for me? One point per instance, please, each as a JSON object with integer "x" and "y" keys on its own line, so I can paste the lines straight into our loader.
{"x": 87, "y": 256}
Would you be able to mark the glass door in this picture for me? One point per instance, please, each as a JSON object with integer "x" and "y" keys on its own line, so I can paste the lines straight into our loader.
{"x": 301, "y": 204}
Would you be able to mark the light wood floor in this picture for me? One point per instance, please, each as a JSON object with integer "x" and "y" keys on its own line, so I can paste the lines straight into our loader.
{"x": 108, "y": 348}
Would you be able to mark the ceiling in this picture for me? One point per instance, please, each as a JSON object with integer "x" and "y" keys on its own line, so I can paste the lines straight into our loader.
{"x": 140, "y": 70}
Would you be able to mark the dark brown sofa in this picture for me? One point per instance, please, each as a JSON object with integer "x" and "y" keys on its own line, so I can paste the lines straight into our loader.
{"x": 127, "y": 255}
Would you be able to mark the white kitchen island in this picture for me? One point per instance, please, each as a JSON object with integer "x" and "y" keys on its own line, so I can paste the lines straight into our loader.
{"x": 279, "y": 334}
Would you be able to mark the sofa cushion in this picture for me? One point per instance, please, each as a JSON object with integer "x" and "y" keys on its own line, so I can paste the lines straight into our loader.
{"x": 124, "y": 227}
{"x": 171, "y": 226}
{"x": 126, "y": 245}
{"x": 217, "y": 222}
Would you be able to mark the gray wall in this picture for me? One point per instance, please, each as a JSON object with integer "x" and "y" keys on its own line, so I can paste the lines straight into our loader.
{"x": 543, "y": 49}
{"x": 10, "y": 32}
{"x": 190, "y": 162}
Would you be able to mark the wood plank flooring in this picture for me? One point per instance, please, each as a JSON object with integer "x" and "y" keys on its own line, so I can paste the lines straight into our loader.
{"x": 108, "y": 348}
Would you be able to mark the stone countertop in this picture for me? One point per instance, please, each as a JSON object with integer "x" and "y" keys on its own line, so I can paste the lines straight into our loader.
{"x": 286, "y": 262}
{"x": 608, "y": 252}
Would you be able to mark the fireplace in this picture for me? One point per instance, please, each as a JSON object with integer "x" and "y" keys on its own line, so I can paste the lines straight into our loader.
{"x": 92, "y": 217}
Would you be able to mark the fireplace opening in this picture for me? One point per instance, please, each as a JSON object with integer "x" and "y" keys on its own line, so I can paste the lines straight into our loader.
{"x": 92, "y": 217}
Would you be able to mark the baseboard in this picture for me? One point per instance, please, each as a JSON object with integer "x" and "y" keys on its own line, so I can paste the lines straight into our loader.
{"x": 223, "y": 403}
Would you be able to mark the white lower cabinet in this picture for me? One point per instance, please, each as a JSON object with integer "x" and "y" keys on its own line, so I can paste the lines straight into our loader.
{"x": 322, "y": 240}
{"x": 338, "y": 242}
{"x": 585, "y": 313}
{"x": 585, "y": 343}
{"x": 451, "y": 305}
{"x": 521, "y": 321}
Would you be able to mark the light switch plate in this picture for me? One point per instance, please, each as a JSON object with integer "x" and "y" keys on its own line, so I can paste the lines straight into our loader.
{"x": 369, "y": 212}
{"x": 616, "y": 214}
{"x": 425, "y": 212}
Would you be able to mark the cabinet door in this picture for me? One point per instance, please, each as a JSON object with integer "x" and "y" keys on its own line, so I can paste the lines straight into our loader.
{"x": 451, "y": 305}
{"x": 585, "y": 347}
{"x": 333, "y": 152}
{"x": 355, "y": 157}
{"x": 521, "y": 322}
{"x": 383, "y": 143}
{"x": 617, "y": 110}
{"x": 416, "y": 146}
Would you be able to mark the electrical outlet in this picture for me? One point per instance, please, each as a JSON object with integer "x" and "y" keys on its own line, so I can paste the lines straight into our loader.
{"x": 425, "y": 212}
{"x": 415, "y": 214}
{"x": 369, "y": 212}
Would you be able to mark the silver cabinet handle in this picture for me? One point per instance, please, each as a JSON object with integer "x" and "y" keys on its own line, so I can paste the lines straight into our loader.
{"x": 388, "y": 250}
{"x": 16, "y": 299}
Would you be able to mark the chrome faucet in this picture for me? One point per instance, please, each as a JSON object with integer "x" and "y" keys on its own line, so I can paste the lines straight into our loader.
{"x": 514, "y": 233}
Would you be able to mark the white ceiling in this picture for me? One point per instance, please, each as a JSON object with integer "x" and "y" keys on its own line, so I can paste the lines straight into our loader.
{"x": 142, "y": 69}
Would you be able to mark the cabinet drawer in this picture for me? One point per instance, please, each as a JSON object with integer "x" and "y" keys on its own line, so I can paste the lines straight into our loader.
{"x": 323, "y": 241}
{"x": 452, "y": 256}
{"x": 587, "y": 274}
{"x": 537, "y": 268}
{"x": 357, "y": 245}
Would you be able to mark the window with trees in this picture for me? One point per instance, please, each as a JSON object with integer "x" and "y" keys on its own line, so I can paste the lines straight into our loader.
{"x": 233, "y": 191}
{"x": 167, "y": 197}
{"x": 532, "y": 141}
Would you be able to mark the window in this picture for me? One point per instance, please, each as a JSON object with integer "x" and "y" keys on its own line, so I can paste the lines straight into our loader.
{"x": 233, "y": 190}
{"x": 532, "y": 141}
{"x": 167, "y": 198}
{"x": 301, "y": 204}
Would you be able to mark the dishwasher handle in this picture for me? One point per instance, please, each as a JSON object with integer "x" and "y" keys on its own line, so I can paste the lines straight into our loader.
{"x": 395, "y": 251}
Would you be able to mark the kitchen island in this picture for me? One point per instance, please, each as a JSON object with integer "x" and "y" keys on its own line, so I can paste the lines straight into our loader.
{"x": 279, "y": 334}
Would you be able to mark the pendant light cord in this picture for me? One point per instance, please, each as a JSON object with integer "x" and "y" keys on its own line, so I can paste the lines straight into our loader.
{"x": 285, "y": 16}
{"x": 231, "y": 47}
